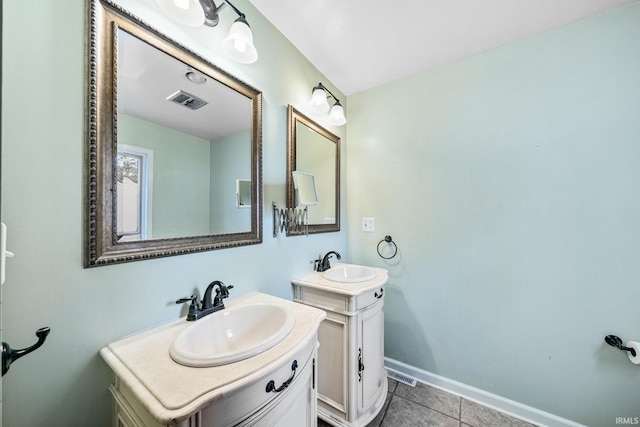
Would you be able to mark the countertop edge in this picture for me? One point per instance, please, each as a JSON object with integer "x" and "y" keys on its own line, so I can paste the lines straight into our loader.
{"x": 315, "y": 280}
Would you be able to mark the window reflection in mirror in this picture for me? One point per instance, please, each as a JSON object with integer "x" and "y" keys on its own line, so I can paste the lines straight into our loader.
{"x": 315, "y": 151}
{"x": 134, "y": 191}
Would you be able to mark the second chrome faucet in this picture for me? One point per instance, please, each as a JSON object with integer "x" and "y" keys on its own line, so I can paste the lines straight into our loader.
{"x": 207, "y": 306}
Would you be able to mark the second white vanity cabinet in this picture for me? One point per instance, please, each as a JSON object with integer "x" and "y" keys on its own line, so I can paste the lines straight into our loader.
{"x": 352, "y": 380}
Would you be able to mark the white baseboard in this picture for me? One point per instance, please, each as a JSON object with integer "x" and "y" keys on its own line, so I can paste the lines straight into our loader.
{"x": 499, "y": 403}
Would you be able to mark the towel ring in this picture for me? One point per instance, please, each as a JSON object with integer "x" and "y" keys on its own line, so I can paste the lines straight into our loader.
{"x": 387, "y": 239}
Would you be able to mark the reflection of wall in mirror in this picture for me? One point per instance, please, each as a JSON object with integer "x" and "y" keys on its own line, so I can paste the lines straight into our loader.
{"x": 180, "y": 176}
{"x": 194, "y": 179}
{"x": 316, "y": 155}
{"x": 230, "y": 160}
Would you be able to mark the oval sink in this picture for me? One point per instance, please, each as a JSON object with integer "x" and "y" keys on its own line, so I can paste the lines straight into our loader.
{"x": 349, "y": 273}
{"x": 231, "y": 334}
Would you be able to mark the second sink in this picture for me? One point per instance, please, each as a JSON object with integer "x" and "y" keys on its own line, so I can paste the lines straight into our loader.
{"x": 349, "y": 273}
{"x": 231, "y": 335}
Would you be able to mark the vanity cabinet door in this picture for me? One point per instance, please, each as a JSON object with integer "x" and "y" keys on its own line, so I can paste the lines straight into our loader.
{"x": 371, "y": 372}
{"x": 333, "y": 363}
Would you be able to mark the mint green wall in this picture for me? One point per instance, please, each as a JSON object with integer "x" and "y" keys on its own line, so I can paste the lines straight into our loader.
{"x": 181, "y": 176}
{"x": 230, "y": 161}
{"x": 65, "y": 382}
{"x": 510, "y": 182}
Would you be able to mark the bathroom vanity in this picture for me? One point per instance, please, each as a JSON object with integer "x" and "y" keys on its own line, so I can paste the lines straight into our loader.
{"x": 352, "y": 384}
{"x": 275, "y": 387}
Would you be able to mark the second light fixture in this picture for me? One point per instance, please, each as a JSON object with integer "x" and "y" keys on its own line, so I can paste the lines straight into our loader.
{"x": 320, "y": 104}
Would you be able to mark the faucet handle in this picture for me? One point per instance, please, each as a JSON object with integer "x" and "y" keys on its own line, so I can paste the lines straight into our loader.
{"x": 192, "y": 298}
{"x": 223, "y": 291}
{"x": 193, "y": 307}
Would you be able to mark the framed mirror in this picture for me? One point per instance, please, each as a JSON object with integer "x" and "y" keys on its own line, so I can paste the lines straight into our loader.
{"x": 169, "y": 135}
{"x": 314, "y": 156}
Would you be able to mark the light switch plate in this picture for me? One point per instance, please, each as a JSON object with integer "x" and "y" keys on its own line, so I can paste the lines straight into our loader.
{"x": 368, "y": 225}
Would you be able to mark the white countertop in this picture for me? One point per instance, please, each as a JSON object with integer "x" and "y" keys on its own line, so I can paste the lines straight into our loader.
{"x": 317, "y": 280}
{"x": 172, "y": 391}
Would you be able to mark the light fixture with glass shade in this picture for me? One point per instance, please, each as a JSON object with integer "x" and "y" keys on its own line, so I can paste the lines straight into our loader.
{"x": 238, "y": 44}
{"x": 319, "y": 104}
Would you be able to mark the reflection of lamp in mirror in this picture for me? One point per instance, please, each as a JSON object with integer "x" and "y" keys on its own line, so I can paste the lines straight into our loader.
{"x": 305, "y": 186}
{"x": 319, "y": 104}
{"x": 238, "y": 44}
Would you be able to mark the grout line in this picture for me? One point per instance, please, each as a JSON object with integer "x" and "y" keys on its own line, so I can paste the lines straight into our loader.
{"x": 387, "y": 409}
{"x": 429, "y": 408}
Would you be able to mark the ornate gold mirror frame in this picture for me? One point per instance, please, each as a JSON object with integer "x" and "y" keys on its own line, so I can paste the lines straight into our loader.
{"x": 103, "y": 244}
{"x": 314, "y": 150}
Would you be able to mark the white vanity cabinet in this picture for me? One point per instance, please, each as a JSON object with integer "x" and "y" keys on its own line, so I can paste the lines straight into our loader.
{"x": 352, "y": 380}
{"x": 252, "y": 406}
{"x": 151, "y": 390}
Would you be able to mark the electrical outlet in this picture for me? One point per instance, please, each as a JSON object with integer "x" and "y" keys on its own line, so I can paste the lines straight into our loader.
{"x": 368, "y": 224}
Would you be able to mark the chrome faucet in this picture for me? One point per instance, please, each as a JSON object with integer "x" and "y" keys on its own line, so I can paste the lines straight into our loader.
{"x": 198, "y": 311}
{"x": 322, "y": 263}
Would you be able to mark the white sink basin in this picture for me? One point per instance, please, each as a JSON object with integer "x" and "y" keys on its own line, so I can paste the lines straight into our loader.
{"x": 349, "y": 273}
{"x": 232, "y": 334}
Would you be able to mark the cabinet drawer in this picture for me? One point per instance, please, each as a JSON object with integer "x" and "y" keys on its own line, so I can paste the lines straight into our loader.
{"x": 368, "y": 298}
{"x": 232, "y": 408}
{"x": 339, "y": 303}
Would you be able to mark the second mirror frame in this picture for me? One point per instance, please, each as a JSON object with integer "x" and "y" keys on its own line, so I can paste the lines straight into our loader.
{"x": 294, "y": 117}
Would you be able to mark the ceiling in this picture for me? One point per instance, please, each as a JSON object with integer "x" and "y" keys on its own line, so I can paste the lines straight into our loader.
{"x": 360, "y": 44}
{"x": 148, "y": 78}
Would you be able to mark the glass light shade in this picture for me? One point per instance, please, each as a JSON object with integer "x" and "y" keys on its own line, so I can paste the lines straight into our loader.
{"x": 239, "y": 43}
{"x": 187, "y": 12}
{"x": 319, "y": 102}
{"x": 336, "y": 115}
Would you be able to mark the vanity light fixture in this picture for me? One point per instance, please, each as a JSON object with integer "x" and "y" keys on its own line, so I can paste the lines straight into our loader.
{"x": 319, "y": 104}
{"x": 238, "y": 44}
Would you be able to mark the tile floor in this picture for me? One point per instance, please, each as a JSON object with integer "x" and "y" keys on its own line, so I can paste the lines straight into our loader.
{"x": 425, "y": 406}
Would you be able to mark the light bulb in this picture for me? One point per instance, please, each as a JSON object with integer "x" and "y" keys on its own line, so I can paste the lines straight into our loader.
{"x": 336, "y": 115}
{"x": 187, "y": 12}
{"x": 182, "y": 4}
{"x": 239, "y": 43}
{"x": 319, "y": 102}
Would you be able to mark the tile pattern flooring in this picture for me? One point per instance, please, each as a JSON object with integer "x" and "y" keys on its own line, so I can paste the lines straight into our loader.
{"x": 425, "y": 406}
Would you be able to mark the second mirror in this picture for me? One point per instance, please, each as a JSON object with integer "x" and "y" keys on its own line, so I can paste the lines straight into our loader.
{"x": 314, "y": 151}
